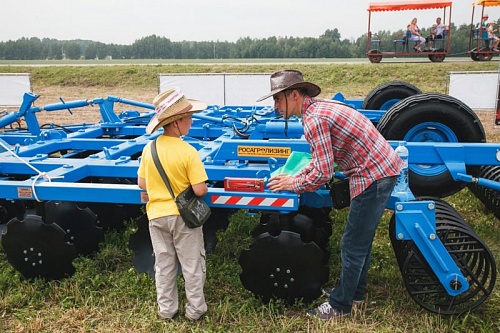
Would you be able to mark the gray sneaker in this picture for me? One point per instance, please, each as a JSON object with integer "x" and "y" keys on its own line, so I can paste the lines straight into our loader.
{"x": 325, "y": 312}
{"x": 328, "y": 290}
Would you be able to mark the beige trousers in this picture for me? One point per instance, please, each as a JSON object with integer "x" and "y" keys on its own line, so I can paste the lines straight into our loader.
{"x": 174, "y": 242}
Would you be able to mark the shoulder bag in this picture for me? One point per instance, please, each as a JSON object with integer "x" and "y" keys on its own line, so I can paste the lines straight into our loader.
{"x": 194, "y": 211}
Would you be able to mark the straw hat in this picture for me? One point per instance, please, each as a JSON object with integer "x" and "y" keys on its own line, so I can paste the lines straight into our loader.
{"x": 172, "y": 105}
{"x": 290, "y": 79}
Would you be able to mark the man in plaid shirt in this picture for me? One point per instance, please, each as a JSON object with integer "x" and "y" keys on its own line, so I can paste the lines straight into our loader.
{"x": 341, "y": 134}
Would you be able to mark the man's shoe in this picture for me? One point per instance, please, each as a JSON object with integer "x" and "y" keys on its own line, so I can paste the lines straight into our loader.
{"x": 326, "y": 312}
{"x": 328, "y": 290}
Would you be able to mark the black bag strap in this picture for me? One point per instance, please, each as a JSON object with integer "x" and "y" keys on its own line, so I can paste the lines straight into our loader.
{"x": 161, "y": 171}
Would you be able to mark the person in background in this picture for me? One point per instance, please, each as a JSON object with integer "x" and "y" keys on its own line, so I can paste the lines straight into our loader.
{"x": 337, "y": 133}
{"x": 439, "y": 29}
{"x": 481, "y": 28}
{"x": 490, "y": 29}
{"x": 437, "y": 32}
{"x": 172, "y": 240}
{"x": 416, "y": 36}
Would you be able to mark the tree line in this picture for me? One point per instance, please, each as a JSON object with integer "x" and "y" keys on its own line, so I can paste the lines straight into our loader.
{"x": 328, "y": 45}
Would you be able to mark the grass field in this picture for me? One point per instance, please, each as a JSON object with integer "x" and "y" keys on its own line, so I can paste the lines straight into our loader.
{"x": 253, "y": 61}
{"x": 107, "y": 294}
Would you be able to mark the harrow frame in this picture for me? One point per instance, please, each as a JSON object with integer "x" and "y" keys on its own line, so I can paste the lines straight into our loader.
{"x": 62, "y": 163}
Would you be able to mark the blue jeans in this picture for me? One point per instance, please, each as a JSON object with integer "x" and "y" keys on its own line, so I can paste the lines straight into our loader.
{"x": 356, "y": 245}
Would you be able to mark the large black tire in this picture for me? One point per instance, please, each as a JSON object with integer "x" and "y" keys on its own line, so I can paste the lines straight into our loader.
{"x": 384, "y": 96}
{"x": 432, "y": 118}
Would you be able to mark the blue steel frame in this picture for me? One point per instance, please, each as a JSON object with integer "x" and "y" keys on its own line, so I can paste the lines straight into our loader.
{"x": 248, "y": 142}
{"x": 415, "y": 221}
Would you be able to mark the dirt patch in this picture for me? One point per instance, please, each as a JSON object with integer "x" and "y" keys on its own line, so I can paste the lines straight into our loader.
{"x": 51, "y": 95}
{"x": 488, "y": 120}
{"x": 89, "y": 114}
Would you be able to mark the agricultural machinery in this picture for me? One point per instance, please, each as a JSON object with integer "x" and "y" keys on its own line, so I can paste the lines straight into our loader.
{"x": 63, "y": 186}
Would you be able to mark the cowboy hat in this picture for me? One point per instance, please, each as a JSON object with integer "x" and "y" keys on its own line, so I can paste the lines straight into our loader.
{"x": 290, "y": 79}
{"x": 172, "y": 105}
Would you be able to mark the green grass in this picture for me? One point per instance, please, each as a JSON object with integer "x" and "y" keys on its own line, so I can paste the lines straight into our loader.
{"x": 106, "y": 294}
{"x": 353, "y": 80}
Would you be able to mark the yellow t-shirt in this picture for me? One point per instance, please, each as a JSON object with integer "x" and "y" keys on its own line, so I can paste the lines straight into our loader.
{"x": 183, "y": 166}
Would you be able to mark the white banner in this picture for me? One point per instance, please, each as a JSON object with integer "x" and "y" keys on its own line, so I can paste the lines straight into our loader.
{"x": 220, "y": 89}
{"x": 12, "y": 88}
{"x": 479, "y": 90}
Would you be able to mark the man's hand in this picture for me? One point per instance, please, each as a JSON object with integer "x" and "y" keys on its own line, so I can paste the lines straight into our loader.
{"x": 281, "y": 182}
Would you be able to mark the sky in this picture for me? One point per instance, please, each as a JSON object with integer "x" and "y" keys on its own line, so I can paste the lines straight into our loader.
{"x": 125, "y": 21}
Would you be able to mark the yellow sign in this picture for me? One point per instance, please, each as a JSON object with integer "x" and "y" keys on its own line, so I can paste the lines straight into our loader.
{"x": 283, "y": 152}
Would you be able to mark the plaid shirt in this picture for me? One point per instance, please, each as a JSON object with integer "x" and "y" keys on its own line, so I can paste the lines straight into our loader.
{"x": 341, "y": 134}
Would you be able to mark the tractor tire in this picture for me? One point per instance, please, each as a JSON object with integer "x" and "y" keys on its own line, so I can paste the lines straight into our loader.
{"x": 384, "y": 96}
{"x": 432, "y": 118}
